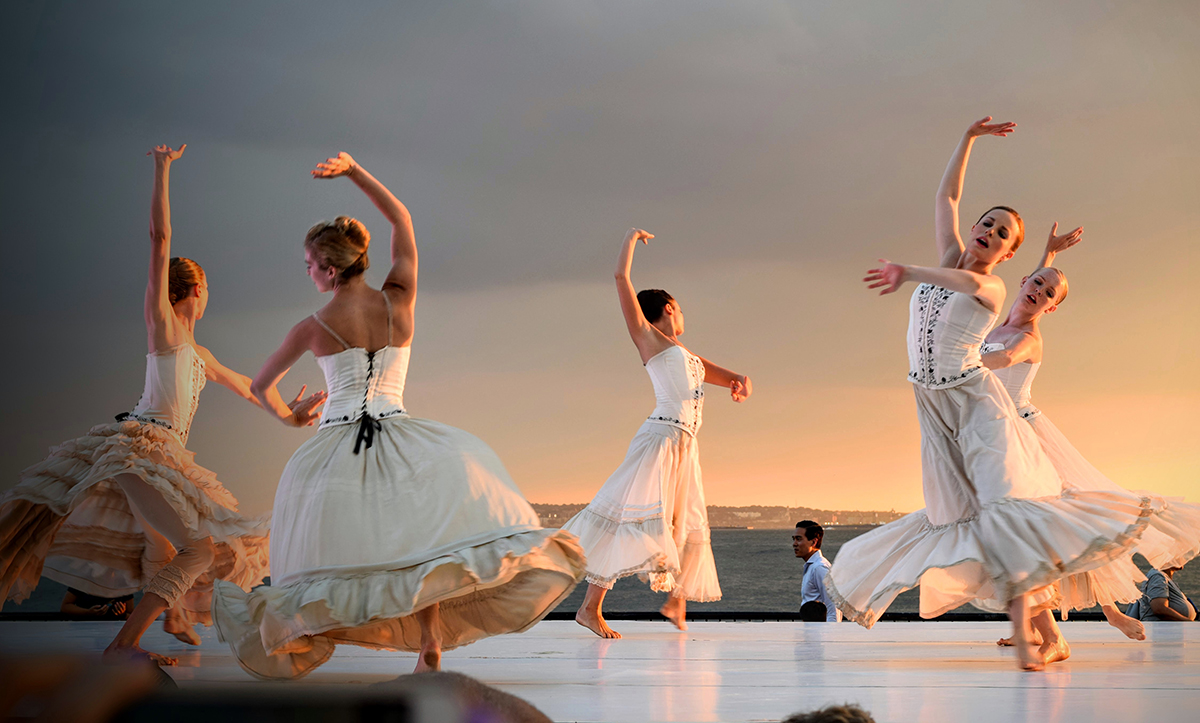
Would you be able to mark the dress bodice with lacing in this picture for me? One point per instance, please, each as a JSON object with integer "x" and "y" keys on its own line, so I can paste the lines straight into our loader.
{"x": 678, "y": 379}
{"x": 174, "y": 379}
{"x": 945, "y": 331}
{"x": 364, "y": 387}
{"x": 1018, "y": 381}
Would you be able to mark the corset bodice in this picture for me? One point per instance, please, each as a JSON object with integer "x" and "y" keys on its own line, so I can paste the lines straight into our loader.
{"x": 174, "y": 379}
{"x": 1018, "y": 381}
{"x": 678, "y": 379}
{"x": 945, "y": 331}
{"x": 361, "y": 383}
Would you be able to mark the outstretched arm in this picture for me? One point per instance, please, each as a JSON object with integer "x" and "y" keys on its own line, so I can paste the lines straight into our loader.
{"x": 1017, "y": 350}
{"x": 157, "y": 306}
{"x": 1055, "y": 245}
{"x": 403, "y": 276}
{"x": 739, "y": 384}
{"x": 648, "y": 340}
{"x": 949, "y": 193}
{"x": 889, "y": 277}
{"x": 301, "y": 412}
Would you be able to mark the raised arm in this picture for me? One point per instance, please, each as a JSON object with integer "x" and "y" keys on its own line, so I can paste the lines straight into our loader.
{"x": 889, "y": 277}
{"x": 1055, "y": 245}
{"x": 949, "y": 193}
{"x": 403, "y": 276}
{"x": 1017, "y": 350}
{"x": 157, "y": 307}
{"x": 648, "y": 340}
{"x": 301, "y": 412}
{"x": 739, "y": 384}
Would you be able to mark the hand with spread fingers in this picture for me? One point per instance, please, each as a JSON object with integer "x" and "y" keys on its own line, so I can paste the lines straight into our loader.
{"x": 342, "y": 165}
{"x": 305, "y": 409}
{"x": 984, "y": 127}
{"x": 889, "y": 276}
{"x": 1058, "y": 244}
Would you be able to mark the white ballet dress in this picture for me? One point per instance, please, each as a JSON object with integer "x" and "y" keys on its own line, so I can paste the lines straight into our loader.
{"x": 1171, "y": 539}
{"x": 67, "y": 518}
{"x": 379, "y": 515}
{"x": 650, "y": 518}
{"x": 998, "y": 521}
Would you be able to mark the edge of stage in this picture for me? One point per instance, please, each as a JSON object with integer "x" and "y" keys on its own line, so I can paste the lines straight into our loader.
{"x": 746, "y": 671}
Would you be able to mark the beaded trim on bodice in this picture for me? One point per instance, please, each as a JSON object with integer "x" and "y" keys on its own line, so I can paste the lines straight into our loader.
{"x": 171, "y": 396}
{"x": 678, "y": 388}
{"x": 945, "y": 330}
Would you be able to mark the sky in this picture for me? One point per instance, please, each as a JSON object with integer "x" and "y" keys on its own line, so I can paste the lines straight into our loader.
{"x": 776, "y": 149}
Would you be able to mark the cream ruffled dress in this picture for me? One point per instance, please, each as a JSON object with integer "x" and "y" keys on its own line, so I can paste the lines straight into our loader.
{"x": 67, "y": 518}
{"x": 379, "y": 515}
{"x": 1172, "y": 538}
{"x": 998, "y": 521}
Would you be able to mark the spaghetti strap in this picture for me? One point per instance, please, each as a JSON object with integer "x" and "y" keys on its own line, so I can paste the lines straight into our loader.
{"x": 332, "y": 333}
{"x": 388, "y": 301}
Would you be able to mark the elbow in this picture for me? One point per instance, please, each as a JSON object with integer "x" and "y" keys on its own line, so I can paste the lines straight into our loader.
{"x": 258, "y": 390}
{"x": 1159, "y": 606}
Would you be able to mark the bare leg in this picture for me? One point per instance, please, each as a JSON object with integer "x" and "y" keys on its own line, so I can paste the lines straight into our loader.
{"x": 1027, "y": 656}
{"x": 1053, "y": 647}
{"x": 590, "y": 614}
{"x": 1132, "y": 627}
{"x": 431, "y": 640}
{"x": 675, "y": 610}
{"x": 172, "y": 581}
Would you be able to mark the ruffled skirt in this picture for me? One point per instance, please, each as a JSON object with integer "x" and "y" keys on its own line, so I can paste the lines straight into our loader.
{"x": 1171, "y": 539}
{"x": 427, "y": 514}
{"x": 68, "y": 519}
{"x": 650, "y": 519}
{"x": 998, "y": 522}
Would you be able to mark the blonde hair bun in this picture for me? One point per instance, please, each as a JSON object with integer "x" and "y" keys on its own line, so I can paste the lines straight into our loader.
{"x": 341, "y": 244}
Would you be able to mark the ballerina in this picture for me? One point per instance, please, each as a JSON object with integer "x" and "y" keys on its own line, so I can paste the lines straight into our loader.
{"x": 1014, "y": 352}
{"x": 998, "y": 528}
{"x": 649, "y": 518}
{"x": 390, "y": 531}
{"x": 126, "y": 507}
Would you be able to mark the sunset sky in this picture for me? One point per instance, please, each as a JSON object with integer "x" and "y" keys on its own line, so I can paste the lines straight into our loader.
{"x": 776, "y": 149}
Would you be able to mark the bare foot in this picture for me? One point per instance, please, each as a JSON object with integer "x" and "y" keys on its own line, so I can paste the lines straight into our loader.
{"x": 1133, "y": 628}
{"x": 594, "y": 621}
{"x": 1036, "y": 639}
{"x": 430, "y": 659}
{"x": 177, "y": 625}
{"x": 1029, "y": 657}
{"x": 1054, "y": 651}
{"x": 675, "y": 610}
{"x": 122, "y": 653}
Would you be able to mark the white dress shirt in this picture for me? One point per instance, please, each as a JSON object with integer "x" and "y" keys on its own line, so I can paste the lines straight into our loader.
{"x": 812, "y": 587}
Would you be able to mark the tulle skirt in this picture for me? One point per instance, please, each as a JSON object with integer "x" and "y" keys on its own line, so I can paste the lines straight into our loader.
{"x": 427, "y": 514}
{"x": 68, "y": 519}
{"x": 1171, "y": 539}
{"x": 998, "y": 521}
{"x": 650, "y": 519}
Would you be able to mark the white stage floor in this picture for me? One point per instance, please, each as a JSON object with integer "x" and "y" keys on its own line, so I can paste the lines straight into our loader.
{"x": 727, "y": 671}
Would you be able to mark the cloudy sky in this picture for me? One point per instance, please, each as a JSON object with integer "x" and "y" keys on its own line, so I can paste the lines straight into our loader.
{"x": 776, "y": 149}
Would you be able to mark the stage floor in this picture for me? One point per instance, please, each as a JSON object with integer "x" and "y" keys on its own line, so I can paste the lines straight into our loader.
{"x": 746, "y": 671}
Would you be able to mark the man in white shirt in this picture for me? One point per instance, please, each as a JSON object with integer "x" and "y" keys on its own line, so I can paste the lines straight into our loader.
{"x": 806, "y": 543}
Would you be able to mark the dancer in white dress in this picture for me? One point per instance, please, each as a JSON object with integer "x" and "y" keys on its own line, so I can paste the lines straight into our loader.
{"x": 649, "y": 518}
{"x": 389, "y": 531}
{"x": 126, "y": 507}
{"x": 1014, "y": 352}
{"x": 998, "y": 528}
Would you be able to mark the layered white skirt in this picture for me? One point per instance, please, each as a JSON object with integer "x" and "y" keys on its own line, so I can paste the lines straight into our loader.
{"x": 360, "y": 542}
{"x": 650, "y": 519}
{"x": 67, "y": 519}
{"x": 998, "y": 520}
{"x": 1171, "y": 539}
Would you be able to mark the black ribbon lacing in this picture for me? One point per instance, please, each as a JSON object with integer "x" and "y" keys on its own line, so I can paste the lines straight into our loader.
{"x": 367, "y": 426}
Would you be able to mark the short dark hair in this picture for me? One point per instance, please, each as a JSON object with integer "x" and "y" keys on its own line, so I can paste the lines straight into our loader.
{"x": 812, "y": 531}
{"x": 849, "y": 713}
{"x": 653, "y": 301}
{"x": 814, "y": 611}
